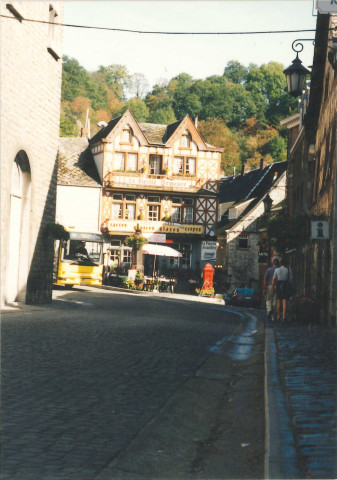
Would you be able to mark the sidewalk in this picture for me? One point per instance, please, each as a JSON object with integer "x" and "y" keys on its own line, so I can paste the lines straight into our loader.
{"x": 301, "y": 401}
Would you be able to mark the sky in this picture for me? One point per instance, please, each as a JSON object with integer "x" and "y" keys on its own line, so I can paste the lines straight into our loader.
{"x": 165, "y": 56}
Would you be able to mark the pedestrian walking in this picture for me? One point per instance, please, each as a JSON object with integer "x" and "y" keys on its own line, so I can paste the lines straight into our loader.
{"x": 268, "y": 290}
{"x": 282, "y": 283}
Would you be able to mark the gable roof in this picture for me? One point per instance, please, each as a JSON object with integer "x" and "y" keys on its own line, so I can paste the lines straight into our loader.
{"x": 76, "y": 165}
{"x": 253, "y": 184}
{"x": 156, "y": 134}
{"x": 104, "y": 132}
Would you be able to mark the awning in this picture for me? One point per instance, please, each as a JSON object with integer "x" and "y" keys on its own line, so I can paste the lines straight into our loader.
{"x": 160, "y": 250}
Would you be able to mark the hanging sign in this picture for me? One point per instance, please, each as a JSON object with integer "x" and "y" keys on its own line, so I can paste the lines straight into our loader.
{"x": 326, "y": 6}
{"x": 319, "y": 230}
{"x": 208, "y": 250}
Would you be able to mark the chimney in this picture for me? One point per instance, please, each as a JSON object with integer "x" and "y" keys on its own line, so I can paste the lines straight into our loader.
{"x": 245, "y": 169}
{"x": 85, "y": 131}
{"x": 196, "y": 121}
{"x": 263, "y": 163}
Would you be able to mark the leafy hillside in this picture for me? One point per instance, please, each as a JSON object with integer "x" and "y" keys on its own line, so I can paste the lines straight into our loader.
{"x": 239, "y": 110}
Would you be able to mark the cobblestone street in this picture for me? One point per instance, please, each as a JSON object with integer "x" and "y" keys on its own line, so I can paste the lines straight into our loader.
{"x": 308, "y": 370}
{"x": 82, "y": 378}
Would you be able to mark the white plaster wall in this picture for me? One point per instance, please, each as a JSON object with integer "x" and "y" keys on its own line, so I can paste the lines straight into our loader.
{"x": 78, "y": 207}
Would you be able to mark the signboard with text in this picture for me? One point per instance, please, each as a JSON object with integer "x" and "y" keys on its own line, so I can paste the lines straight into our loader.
{"x": 208, "y": 250}
{"x": 119, "y": 227}
{"x": 165, "y": 183}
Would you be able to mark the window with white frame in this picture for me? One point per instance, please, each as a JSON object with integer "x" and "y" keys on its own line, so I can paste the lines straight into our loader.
{"x": 243, "y": 241}
{"x": 119, "y": 161}
{"x": 185, "y": 261}
{"x": 186, "y": 140}
{"x": 117, "y": 210}
{"x": 188, "y": 214}
{"x": 190, "y": 166}
{"x": 132, "y": 162}
{"x": 176, "y": 214}
{"x": 155, "y": 164}
{"x": 178, "y": 165}
{"x": 130, "y": 211}
{"x": 126, "y": 135}
{"x": 127, "y": 255}
{"x": 184, "y": 166}
{"x": 153, "y": 213}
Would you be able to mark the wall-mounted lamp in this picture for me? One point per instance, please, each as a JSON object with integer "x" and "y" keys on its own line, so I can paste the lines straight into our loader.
{"x": 267, "y": 202}
{"x": 296, "y": 73}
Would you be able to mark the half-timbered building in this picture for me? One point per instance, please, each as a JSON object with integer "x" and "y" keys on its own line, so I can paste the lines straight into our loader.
{"x": 164, "y": 178}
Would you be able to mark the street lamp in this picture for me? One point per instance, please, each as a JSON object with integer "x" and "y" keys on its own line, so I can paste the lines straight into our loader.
{"x": 296, "y": 73}
{"x": 267, "y": 203}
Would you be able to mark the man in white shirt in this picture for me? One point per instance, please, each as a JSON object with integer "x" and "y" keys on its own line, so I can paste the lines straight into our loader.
{"x": 268, "y": 290}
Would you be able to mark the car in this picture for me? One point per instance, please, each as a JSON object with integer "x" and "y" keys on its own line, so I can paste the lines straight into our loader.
{"x": 244, "y": 297}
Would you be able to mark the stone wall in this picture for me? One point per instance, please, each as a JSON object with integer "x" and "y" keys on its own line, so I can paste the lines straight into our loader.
{"x": 30, "y": 113}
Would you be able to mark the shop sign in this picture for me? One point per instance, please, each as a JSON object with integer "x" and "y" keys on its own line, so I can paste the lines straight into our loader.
{"x": 118, "y": 227}
{"x": 319, "y": 230}
{"x": 165, "y": 183}
{"x": 327, "y": 6}
{"x": 208, "y": 250}
{"x": 156, "y": 237}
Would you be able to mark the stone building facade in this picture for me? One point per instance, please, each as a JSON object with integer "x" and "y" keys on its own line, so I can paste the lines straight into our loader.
{"x": 31, "y": 72}
{"x": 312, "y": 176}
{"x": 238, "y": 233}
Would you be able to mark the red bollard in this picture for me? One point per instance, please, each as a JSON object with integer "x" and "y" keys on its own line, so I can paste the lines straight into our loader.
{"x": 207, "y": 276}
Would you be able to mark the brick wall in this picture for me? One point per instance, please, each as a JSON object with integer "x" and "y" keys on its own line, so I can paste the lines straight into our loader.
{"x": 30, "y": 112}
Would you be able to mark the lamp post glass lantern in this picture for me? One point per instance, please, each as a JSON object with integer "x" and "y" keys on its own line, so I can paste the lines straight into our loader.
{"x": 267, "y": 202}
{"x": 296, "y": 75}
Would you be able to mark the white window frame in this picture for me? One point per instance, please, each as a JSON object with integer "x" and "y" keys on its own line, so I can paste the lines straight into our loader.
{"x": 155, "y": 164}
{"x": 153, "y": 212}
{"x": 240, "y": 238}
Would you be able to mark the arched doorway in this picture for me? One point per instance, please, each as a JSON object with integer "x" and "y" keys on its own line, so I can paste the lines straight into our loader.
{"x": 19, "y": 222}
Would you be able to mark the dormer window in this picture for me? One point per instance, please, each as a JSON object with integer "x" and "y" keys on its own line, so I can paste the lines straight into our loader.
{"x": 126, "y": 135}
{"x": 186, "y": 140}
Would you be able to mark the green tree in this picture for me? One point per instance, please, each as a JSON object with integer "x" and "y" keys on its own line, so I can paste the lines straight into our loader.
{"x": 162, "y": 116}
{"x": 117, "y": 78}
{"x": 68, "y": 127}
{"x": 215, "y": 132}
{"x": 235, "y": 72}
{"x": 74, "y": 78}
{"x": 138, "y": 108}
{"x": 277, "y": 148}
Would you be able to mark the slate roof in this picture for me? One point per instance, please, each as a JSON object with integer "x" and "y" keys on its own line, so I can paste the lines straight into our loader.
{"x": 76, "y": 165}
{"x": 153, "y": 132}
{"x": 104, "y": 132}
{"x": 251, "y": 186}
